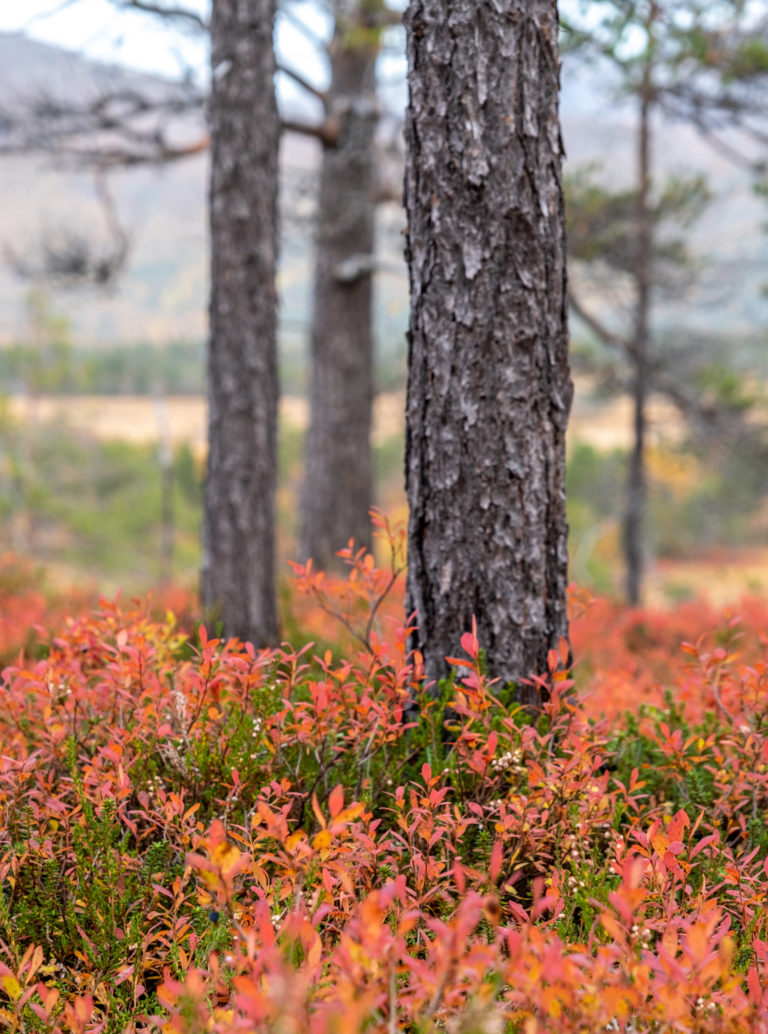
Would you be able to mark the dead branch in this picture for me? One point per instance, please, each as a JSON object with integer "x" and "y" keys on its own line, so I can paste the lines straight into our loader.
{"x": 180, "y": 14}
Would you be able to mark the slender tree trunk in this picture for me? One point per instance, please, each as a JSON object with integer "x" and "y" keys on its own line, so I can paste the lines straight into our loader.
{"x": 165, "y": 465}
{"x": 634, "y": 524}
{"x": 337, "y": 492}
{"x": 489, "y": 387}
{"x": 239, "y": 535}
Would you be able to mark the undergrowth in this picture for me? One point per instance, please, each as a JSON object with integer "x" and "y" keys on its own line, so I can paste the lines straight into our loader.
{"x": 199, "y": 836}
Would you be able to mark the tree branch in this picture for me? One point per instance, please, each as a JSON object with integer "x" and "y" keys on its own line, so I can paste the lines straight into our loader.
{"x": 176, "y": 13}
{"x": 299, "y": 25}
{"x": 120, "y": 127}
{"x": 157, "y": 152}
{"x": 386, "y": 18}
{"x": 327, "y": 132}
{"x": 608, "y": 336}
{"x": 305, "y": 84}
{"x": 70, "y": 258}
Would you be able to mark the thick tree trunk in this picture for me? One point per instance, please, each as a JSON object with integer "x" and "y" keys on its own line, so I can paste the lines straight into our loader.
{"x": 489, "y": 388}
{"x": 634, "y": 521}
{"x": 337, "y": 492}
{"x": 238, "y": 542}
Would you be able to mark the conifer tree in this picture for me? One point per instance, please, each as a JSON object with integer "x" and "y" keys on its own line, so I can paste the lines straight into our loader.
{"x": 489, "y": 389}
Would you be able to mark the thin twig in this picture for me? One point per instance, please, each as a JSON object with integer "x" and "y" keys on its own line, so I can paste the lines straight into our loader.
{"x": 175, "y": 13}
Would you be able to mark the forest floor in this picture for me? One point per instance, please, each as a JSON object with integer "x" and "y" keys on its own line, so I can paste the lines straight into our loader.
{"x": 719, "y": 575}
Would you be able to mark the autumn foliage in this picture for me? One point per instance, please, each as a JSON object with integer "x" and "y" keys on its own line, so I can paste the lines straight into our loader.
{"x": 198, "y": 836}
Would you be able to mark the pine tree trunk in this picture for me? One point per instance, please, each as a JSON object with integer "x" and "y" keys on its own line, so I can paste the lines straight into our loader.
{"x": 634, "y": 521}
{"x": 489, "y": 388}
{"x": 337, "y": 491}
{"x": 239, "y": 534}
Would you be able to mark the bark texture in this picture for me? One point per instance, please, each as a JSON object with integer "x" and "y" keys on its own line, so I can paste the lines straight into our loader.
{"x": 337, "y": 491}
{"x": 637, "y": 491}
{"x": 238, "y": 578}
{"x": 489, "y": 388}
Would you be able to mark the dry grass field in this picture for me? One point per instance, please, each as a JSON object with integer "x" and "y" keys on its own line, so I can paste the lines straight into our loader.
{"x": 606, "y": 425}
{"x": 139, "y": 418}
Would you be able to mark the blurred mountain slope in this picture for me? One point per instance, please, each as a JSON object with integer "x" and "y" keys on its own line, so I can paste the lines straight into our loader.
{"x": 162, "y": 294}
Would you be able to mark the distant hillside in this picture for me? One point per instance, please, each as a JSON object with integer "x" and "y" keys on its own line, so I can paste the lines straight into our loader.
{"x": 163, "y": 293}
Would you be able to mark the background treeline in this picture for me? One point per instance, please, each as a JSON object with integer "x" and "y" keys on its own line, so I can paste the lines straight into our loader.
{"x": 61, "y": 368}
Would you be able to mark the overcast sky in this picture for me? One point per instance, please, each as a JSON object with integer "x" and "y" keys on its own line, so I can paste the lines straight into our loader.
{"x": 95, "y": 27}
{"x": 143, "y": 41}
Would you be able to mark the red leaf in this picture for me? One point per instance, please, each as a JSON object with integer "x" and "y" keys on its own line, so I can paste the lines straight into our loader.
{"x": 494, "y": 866}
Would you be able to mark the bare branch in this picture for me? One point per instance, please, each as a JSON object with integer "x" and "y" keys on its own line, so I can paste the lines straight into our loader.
{"x": 709, "y": 419}
{"x": 116, "y": 229}
{"x": 608, "y": 336}
{"x": 125, "y": 126}
{"x": 71, "y": 258}
{"x": 305, "y": 84}
{"x": 303, "y": 28}
{"x": 40, "y": 16}
{"x": 385, "y": 18}
{"x": 156, "y": 151}
{"x": 355, "y": 267}
{"x": 191, "y": 18}
{"x": 327, "y": 132}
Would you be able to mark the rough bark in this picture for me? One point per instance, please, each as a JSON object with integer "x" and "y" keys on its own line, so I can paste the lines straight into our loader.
{"x": 337, "y": 491}
{"x": 634, "y": 521}
{"x": 489, "y": 388}
{"x": 238, "y": 541}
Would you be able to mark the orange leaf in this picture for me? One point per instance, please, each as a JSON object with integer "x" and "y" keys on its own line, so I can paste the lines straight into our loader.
{"x": 613, "y": 927}
{"x": 318, "y": 813}
{"x": 336, "y": 800}
{"x": 696, "y": 942}
{"x": 354, "y": 811}
{"x": 660, "y": 842}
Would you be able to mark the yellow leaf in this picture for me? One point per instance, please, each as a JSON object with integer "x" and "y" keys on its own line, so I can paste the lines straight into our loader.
{"x": 49, "y": 969}
{"x": 322, "y": 841}
{"x": 725, "y": 951}
{"x": 101, "y": 995}
{"x": 551, "y": 1002}
{"x": 11, "y": 986}
{"x": 294, "y": 839}
{"x": 225, "y": 855}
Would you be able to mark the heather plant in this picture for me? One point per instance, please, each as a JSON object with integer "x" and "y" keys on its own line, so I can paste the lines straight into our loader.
{"x": 200, "y": 836}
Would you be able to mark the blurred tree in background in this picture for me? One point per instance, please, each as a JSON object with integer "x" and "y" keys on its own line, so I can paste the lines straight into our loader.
{"x": 130, "y": 128}
{"x": 238, "y": 574}
{"x": 133, "y": 122}
{"x": 705, "y": 63}
{"x": 337, "y": 493}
